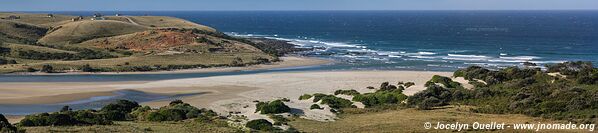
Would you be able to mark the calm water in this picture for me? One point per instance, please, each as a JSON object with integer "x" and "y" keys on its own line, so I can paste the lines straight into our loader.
{"x": 405, "y": 40}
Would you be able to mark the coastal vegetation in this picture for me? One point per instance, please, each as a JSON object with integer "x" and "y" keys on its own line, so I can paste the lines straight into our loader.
{"x": 118, "y": 112}
{"x": 273, "y": 107}
{"x": 563, "y": 92}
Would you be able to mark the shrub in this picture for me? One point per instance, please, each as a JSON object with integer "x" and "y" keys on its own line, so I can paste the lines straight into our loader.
{"x": 409, "y": 84}
{"x": 119, "y": 110}
{"x": 87, "y": 68}
{"x": 65, "y": 109}
{"x": 304, "y": 97}
{"x": 47, "y": 68}
{"x": 315, "y": 106}
{"x": 346, "y": 92}
{"x": 336, "y": 103}
{"x": 318, "y": 96}
{"x": 29, "y": 69}
{"x": 279, "y": 120}
{"x": 177, "y": 110}
{"x": 66, "y": 118}
{"x": 274, "y": 107}
{"x": 428, "y": 103}
{"x": 380, "y": 97}
{"x": 447, "y": 82}
{"x": 260, "y": 124}
{"x": 5, "y": 126}
{"x": 430, "y": 97}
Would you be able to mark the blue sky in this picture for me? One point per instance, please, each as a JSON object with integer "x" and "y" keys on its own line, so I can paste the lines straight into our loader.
{"x": 149, "y": 5}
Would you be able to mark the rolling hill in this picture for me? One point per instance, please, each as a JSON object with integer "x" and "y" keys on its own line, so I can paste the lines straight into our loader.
{"x": 118, "y": 43}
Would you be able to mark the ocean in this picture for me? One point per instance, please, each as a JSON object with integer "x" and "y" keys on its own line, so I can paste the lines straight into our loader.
{"x": 420, "y": 40}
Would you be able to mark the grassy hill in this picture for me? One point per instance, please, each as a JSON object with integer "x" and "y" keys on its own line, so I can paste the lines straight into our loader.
{"x": 79, "y": 31}
{"x": 39, "y": 19}
{"x": 20, "y": 32}
{"x": 118, "y": 43}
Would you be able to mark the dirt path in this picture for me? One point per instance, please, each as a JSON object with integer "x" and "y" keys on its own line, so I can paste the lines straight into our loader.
{"x": 131, "y": 21}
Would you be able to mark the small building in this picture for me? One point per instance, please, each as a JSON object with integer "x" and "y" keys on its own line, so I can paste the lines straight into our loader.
{"x": 77, "y": 18}
{"x": 98, "y": 16}
{"x": 14, "y": 17}
{"x": 118, "y": 14}
{"x": 50, "y": 15}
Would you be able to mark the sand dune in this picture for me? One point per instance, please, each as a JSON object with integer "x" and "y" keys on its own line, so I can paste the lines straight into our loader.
{"x": 226, "y": 94}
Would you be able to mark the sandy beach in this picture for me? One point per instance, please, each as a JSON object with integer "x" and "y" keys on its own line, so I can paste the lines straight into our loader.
{"x": 224, "y": 94}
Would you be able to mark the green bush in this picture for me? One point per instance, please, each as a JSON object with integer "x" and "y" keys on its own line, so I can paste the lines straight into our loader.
{"x": 315, "y": 106}
{"x": 119, "y": 110}
{"x": 47, "y": 68}
{"x": 274, "y": 107}
{"x": 305, "y": 97}
{"x": 336, "y": 103}
{"x": 177, "y": 110}
{"x": 380, "y": 97}
{"x": 447, "y": 82}
{"x": 5, "y": 126}
{"x": 87, "y": 68}
{"x": 409, "y": 84}
{"x": 279, "y": 120}
{"x": 346, "y": 92}
{"x": 261, "y": 124}
{"x": 527, "y": 91}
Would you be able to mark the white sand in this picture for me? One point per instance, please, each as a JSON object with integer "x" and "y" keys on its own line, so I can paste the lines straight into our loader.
{"x": 230, "y": 93}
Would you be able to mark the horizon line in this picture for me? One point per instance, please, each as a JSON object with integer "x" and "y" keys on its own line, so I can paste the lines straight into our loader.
{"x": 302, "y": 10}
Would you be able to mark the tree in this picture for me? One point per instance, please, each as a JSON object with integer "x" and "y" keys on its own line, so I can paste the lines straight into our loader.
{"x": 274, "y": 107}
{"x": 87, "y": 68}
{"x": 65, "y": 109}
{"x": 260, "y": 124}
{"x": 29, "y": 69}
{"x": 12, "y": 62}
{"x": 47, "y": 68}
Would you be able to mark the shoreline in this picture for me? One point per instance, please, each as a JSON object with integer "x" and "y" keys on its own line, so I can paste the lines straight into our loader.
{"x": 286, "y": 62}
{"x": 224, "y": 94}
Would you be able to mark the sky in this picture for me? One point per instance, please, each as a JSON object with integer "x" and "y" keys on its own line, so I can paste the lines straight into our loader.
{"x": 192, "y": 5}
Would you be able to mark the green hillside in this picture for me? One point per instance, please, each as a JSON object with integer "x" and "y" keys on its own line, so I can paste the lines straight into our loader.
{"x": 62, "y": 43}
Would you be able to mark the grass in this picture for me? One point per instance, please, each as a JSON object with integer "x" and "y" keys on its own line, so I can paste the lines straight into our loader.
{"x": 36, "y": 48}
{"x": 39, "y": 19}
{"x": 76, "y": 32}
{"x": 411, "y": 120}
{"x": 167, "y": 22}
{"x": 211, "y": 59}
{"x": 160, "y": 127}
{"x": 59, "y": 34}
{"x": 22, "y": 30}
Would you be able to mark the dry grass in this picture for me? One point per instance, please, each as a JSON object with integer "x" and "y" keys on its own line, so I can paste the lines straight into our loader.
{"x": 134, "y": 127}
{"x": 168, "y": 22}
{"x": 21, "y": 30}
{"x": 412, "y": 120}
{"x": 39, "y": 19}
{"x": 79, "y": 31}
{"x": 151, "y": 60}
{"x": 36, "y": 48}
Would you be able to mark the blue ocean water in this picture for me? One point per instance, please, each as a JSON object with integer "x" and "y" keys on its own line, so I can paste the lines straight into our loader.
{"x": 417, "y": 40}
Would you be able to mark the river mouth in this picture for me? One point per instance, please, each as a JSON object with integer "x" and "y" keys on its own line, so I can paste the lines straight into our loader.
{"x": 96, "y": 102}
